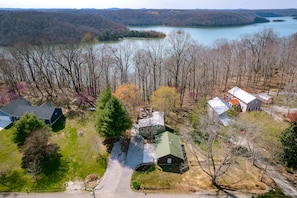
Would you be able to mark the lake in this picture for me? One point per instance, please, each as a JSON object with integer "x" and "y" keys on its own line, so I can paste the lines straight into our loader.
{"x": 207, "y": 35}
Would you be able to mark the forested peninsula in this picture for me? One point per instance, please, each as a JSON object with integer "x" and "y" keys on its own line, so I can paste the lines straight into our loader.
{"x": 62, "y": 26}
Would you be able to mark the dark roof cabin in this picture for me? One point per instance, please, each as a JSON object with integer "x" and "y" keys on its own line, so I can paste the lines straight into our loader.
{"x": 47, "y": 111}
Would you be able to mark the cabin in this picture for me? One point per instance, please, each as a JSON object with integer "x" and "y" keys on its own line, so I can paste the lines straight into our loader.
{"x": 152, "y": 125}
{"x": 16, "y": 109}
{"x": 247, "y": 101}
{"x": 217, "y": 110}
{"x": 168, "y": 149}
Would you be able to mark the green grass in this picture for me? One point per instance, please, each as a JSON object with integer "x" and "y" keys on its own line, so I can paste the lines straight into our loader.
{"x": 156, "y": 179}
{"x": 81, "y": 155}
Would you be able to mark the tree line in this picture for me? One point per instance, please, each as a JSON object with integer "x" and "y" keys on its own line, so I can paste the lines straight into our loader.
{"x": 78, "y": 73}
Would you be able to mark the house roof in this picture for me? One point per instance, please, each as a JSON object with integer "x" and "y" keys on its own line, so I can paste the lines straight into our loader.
{"x": 19, "y": 106}
{"x": 156, "y": 119}
{"x": 219, "y": 105}
{"x": 149, "y": 153}
{"x": 168, "y": 144}
{"x": 242, "y": 95}
{"x": 225, "y": 120}
{"x": 12, "y": 107}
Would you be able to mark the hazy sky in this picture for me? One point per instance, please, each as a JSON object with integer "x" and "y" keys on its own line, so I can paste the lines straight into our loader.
{"x": 136, "y": 4}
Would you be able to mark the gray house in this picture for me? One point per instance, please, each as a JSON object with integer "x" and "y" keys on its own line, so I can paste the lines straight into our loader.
{"x": 152, "y": 125}
{"x": 14, "y": 111}
{"x": 247, "y": 101}
{"x": 217, "y": 109}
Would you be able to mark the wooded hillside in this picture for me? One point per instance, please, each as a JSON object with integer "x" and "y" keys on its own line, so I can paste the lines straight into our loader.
{"x": 180, "y": 17}
{"x": 36, "y": 27}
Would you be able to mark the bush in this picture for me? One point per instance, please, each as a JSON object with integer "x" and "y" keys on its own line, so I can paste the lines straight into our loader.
{"x": 136, "y": 185}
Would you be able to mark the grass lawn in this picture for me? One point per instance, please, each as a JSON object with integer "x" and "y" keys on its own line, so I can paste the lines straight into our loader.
{"x": 157, "y": 180}
{"x": 82, "y": 154}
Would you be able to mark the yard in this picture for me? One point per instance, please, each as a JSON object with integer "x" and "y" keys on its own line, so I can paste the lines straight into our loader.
{"x": 82, "y": 154}
{"x": 242, "y": 177}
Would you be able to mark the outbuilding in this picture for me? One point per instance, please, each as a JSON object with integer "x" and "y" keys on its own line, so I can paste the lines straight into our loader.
{"x": 247, "y": 101}
{"x": 168, "y": 149}
{"x": 265, "y": 98}
{"x": 217, "y": 111}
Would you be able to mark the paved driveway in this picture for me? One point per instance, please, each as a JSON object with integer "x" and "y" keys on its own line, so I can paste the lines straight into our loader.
{"x": 116, "y": 179}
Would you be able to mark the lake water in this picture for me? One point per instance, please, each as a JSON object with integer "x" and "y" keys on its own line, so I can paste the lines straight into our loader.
{"x": 207, "y": 35}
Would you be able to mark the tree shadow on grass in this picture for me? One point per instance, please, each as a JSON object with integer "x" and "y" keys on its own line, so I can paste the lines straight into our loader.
{"x": 53, "y": 173}
{"x": 12, "y": 181}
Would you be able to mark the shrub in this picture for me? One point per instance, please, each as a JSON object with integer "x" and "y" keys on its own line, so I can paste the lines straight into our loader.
{"x": 136, "y": 185}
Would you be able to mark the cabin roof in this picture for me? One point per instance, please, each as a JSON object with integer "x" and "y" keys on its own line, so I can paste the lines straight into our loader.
{"x": 168, "y": 144}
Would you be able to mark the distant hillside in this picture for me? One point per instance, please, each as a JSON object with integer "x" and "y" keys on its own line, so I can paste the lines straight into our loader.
{"x": 208, "y": 18}
{"x": 34, "y": 27}
{"x": 52, "y": 26}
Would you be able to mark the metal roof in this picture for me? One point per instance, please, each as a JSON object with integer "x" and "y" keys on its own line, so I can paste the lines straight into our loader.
{"x": 156, "y": 119}
{"x": 168, "y": 144}
{"x": 242, "y": 95}
{"x": 225, "y": 120}
{"x": 264, "y": 96}
{"x": 149, "y": 155}
{"x": 219, "y": 105}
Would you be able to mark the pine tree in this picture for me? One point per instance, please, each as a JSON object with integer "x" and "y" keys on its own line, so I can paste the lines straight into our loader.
{"x": 103, "y": 99}
{"x": 113, "y": 119}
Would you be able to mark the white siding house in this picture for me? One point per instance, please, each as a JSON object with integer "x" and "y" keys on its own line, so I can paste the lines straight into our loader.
{"x": 248, "y": 102}
{"x": 217, "y": 110}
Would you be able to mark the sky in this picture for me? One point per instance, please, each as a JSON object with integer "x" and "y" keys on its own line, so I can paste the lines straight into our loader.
{"x": 155, "y": 4}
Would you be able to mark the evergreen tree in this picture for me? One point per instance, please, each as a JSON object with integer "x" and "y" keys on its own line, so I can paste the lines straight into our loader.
{"x": 103, "y": 99}
{"x": 289, "y": 142}
{"x": 25, "y": 126}
{"x": 113, "y": 120}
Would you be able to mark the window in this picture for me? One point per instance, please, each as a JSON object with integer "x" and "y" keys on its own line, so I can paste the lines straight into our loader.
{"x": 169, "y": 161}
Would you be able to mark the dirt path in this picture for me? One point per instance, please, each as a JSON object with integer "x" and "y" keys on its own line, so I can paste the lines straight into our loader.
{"x": 281, "y": 181}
